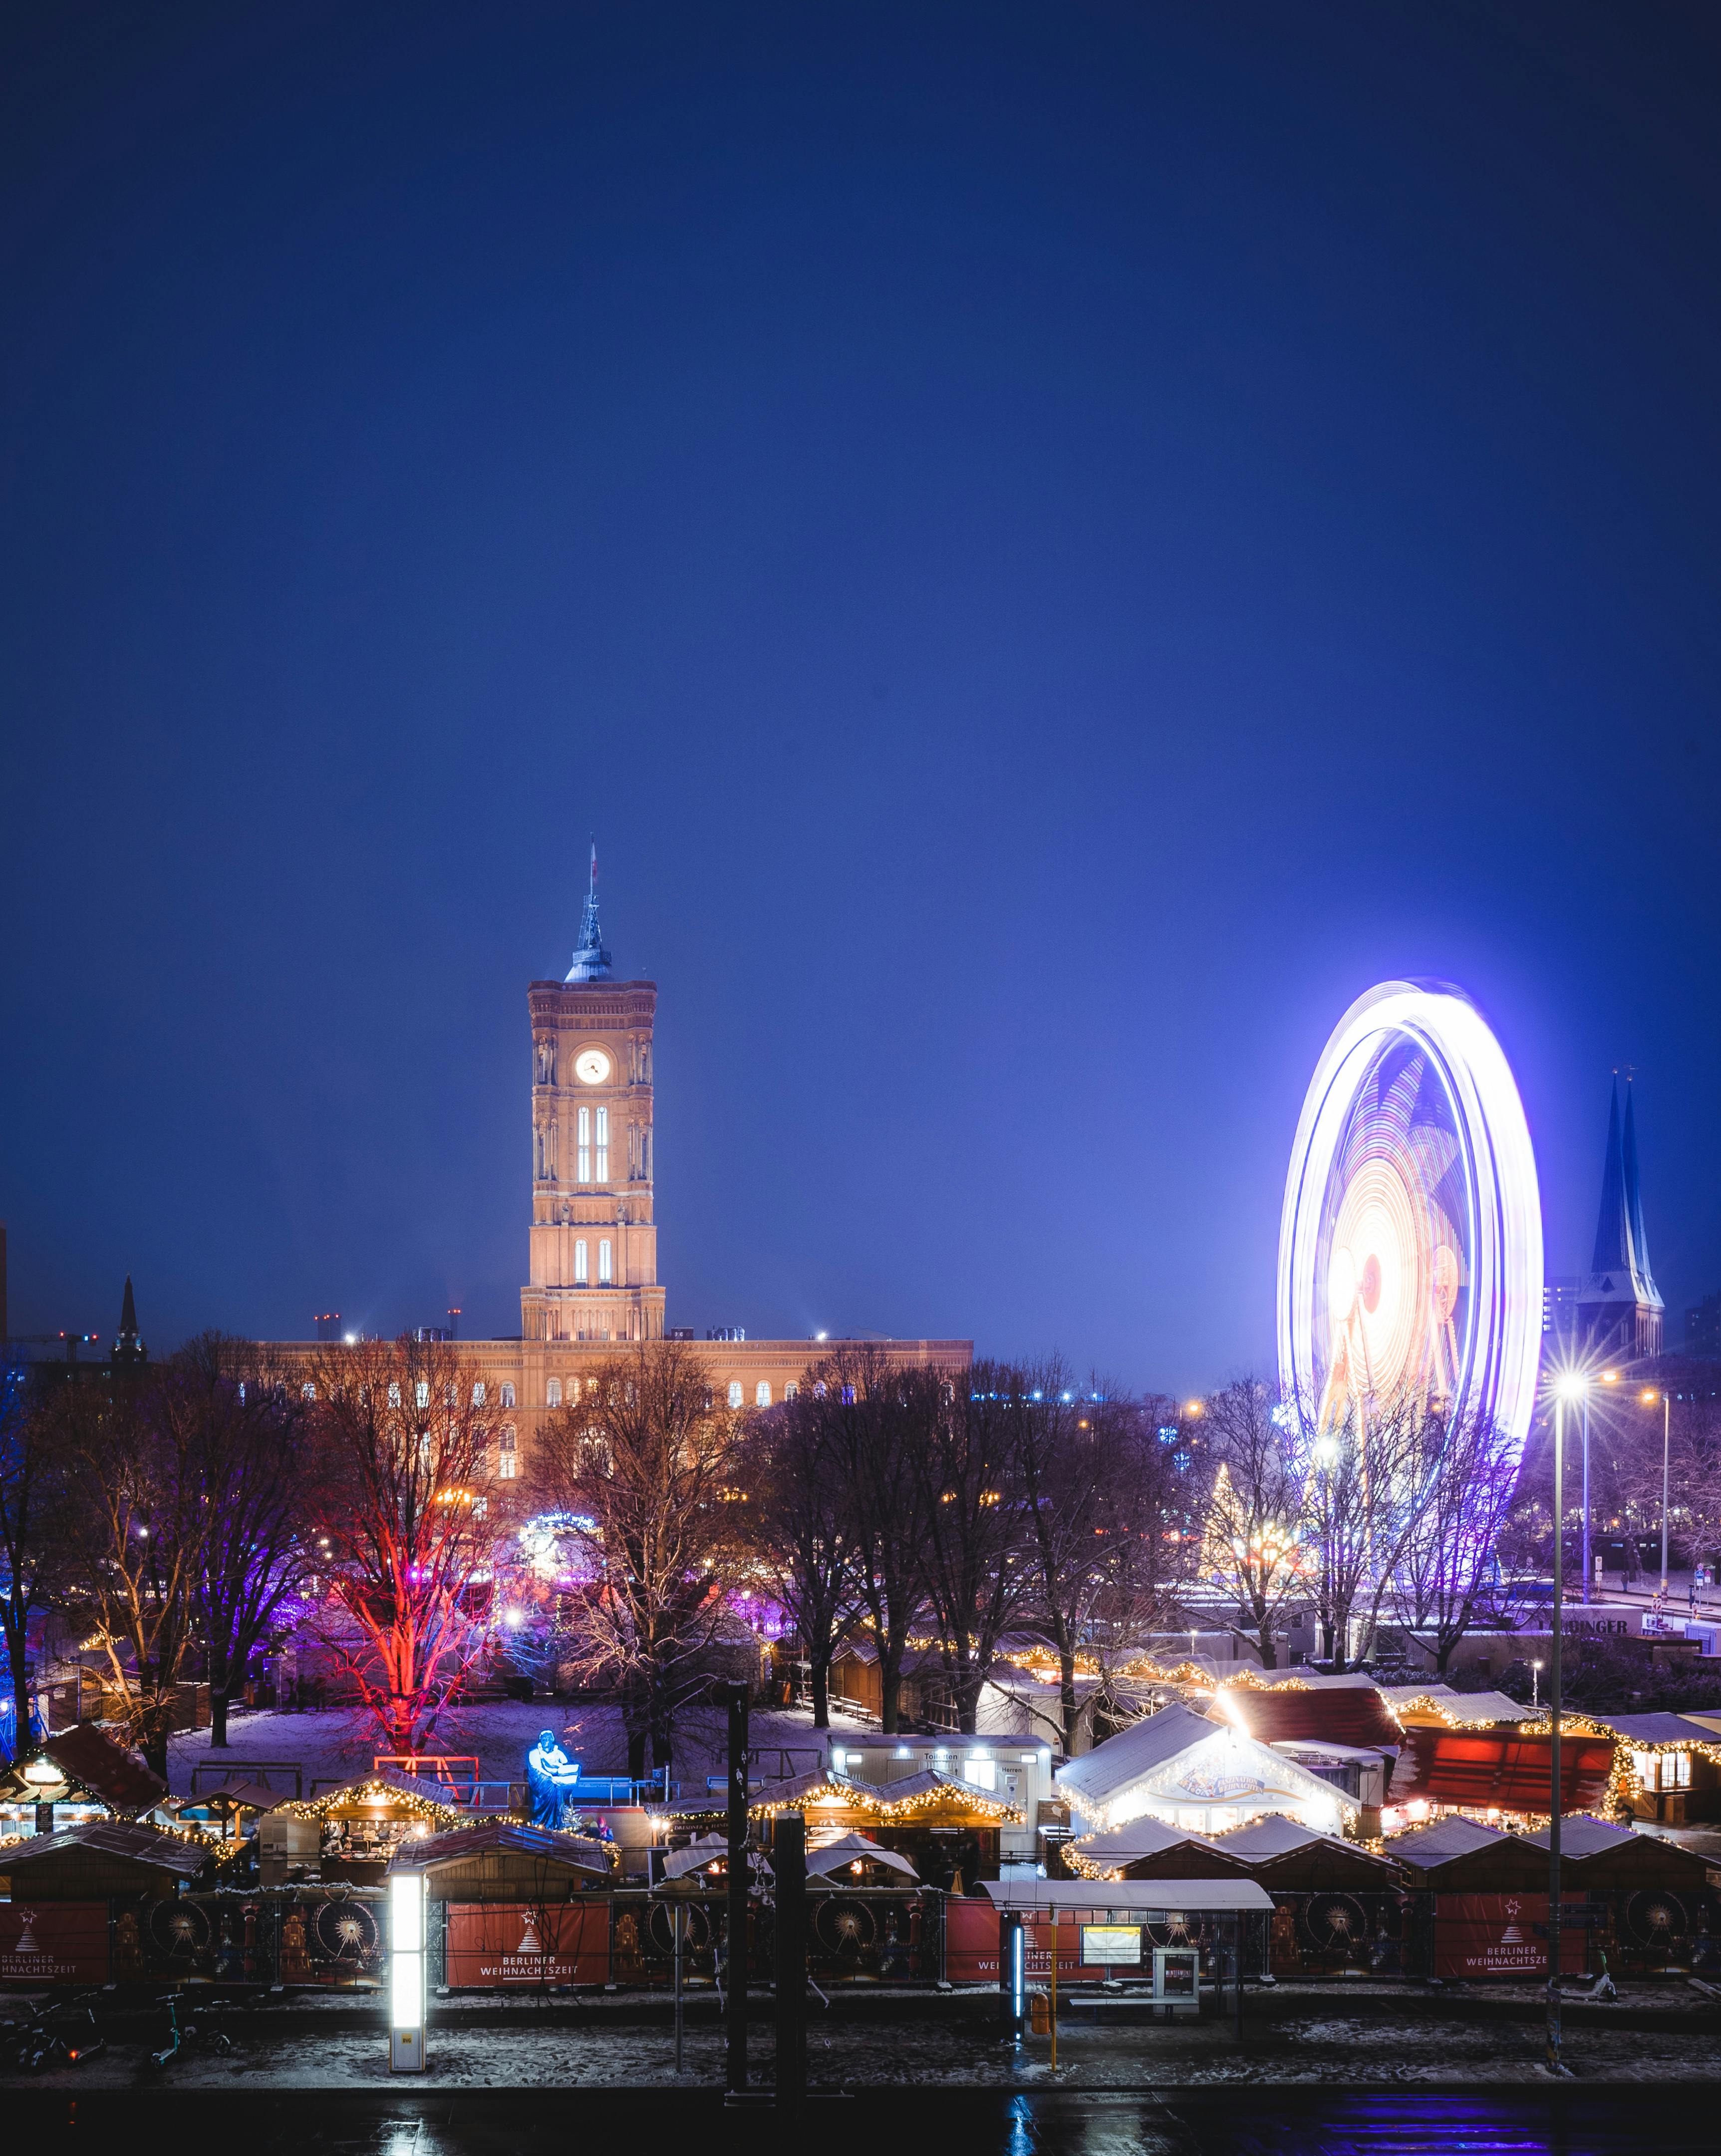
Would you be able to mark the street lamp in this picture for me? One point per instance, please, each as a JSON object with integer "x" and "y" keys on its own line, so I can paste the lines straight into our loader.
{"x": 1649, "y": 1400}
{"x": 1569, "y": 1385}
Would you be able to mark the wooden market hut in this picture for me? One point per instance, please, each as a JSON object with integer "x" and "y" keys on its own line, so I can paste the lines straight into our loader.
{"x": 1459, "y": 1855}
{"x": 1148, "y": 1849}
{"x": 101, "y": 1858}
{"x": 947, "y": 1828}
{"x": 1675, "y": 1766}
{"x": 94, "y": 1769}
{"x": 496, "y": 1859}
{"x": 1503, "y": 1770}
{"x": 1289, "y": 1859}
{"x": 361, "y": 1824}
{"x": 1598, "y": 1858}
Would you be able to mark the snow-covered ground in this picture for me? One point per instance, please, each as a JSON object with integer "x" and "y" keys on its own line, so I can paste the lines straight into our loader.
{"x": 340, "y": 1744}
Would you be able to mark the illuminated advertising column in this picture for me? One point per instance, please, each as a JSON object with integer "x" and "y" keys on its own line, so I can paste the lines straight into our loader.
{"x": 406, "y": 1972}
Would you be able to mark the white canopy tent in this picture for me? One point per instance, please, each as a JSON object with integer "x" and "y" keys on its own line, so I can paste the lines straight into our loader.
{"x": 1203, "y": 1777}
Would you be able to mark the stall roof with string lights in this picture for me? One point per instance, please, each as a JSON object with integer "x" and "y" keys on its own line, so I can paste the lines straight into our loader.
{"x": 101, "y": 1857}
{"x": 496, "y": 1859}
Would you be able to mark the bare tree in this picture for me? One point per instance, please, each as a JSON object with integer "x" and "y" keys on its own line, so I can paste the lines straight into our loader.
{"x": 1445, "y": 1568}
{"x": 249, "y": 1430}
{"x": 880, "y": 1414}
{"x": 969, "y": 1465}
{"x": 137, "y": 1526}
{"x": 1255, "y": 1513}
{"x": 793, "y": 1476}
{"x": 409, "y": 1507}
{"x": 32, "y": 1501}
{"x": 1366, "y": 1484}
{"x": 646, "y": 1472}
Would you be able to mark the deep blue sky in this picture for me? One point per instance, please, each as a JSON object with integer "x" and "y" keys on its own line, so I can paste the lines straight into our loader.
{"x": 1053, "y": 546}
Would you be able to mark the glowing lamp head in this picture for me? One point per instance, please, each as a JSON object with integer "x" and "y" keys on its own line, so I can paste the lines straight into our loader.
{"x": 42, "y": 1774}
{"x": 1571, "y": 1384}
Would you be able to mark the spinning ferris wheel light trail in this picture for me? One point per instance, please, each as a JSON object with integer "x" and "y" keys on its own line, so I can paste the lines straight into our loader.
{"x": 1411, "y": 1243}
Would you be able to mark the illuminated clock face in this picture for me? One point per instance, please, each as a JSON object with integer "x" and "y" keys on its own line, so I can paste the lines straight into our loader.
{"x": 591, "y": 1066}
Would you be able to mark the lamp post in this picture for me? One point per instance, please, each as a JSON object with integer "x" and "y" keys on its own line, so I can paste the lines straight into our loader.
{"x": 1570, "y": 1385}
{"x": 1666, "y": 1430}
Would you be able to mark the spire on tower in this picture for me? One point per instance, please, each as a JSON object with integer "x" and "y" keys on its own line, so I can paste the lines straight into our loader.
{"x": 1621, "y": 1248}
{"x": 128, "y": 1348}
{"x": 591, "y": 961}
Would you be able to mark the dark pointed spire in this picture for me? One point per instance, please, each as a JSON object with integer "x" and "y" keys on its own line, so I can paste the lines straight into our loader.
{"x": 591, "y": 961}
{"x": 1621, "y": 1247}
{"x": 1634, "y": 1204}
{"x": 128, "y": 1348}
{"x": 1613, "y": 1234}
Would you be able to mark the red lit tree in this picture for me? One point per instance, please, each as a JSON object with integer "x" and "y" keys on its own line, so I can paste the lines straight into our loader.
{"x": 411, "y": 1513}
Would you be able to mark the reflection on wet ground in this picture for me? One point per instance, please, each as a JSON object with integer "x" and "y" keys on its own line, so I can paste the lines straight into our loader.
{"x": 1570, "y": 2120}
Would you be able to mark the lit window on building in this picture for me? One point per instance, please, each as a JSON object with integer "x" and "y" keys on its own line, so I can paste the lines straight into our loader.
{"x": 580, "y": 1261}
{"x": 507, "y": 1396}
{"x": 478, "y": 1392}
{"x": 553, "y": 1393}
{"x": 307, "y": 1392}
{"x": 606, "y": 1264}
{"x": 762, "y": 1393}
{"x": 584, "y": 1145}
{"x": 791, "y": 1391}
{"x": 422, "y": 1393}
{"x": 735, "y": 1392}
{"x": 602, "y": 1145}
{"x": 394, "y": 1396}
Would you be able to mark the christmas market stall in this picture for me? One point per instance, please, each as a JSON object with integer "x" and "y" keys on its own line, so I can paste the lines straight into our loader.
{"x": 359, "y": 1826}
{"x": 1650, "y": 1905}
{"x": 1669, "y": 1770}
{"x": 1501, "y": 1772}
{"x": 949, "y": 1830}
{"x": 1196, "y": 1774}
{"x": 509, "y": 1905}
{"x": 1480, "y": 1903}
{"x": 1336, "y": 1906}
{"x": 62, "y": 1889}
{"x": 1147, "y": 1849}
{"x": 82, "y": 1773}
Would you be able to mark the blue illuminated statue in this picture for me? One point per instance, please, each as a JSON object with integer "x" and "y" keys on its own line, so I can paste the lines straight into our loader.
{"x": 552, "y": 1776}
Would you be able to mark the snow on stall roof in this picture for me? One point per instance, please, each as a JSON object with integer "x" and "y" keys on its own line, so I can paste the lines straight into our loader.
{"x": 1582, "y": 1835}
{"x": 1223, "y": 1897}
{"x": 1136, "y": 1751}
{"x": 1445, "y": 1839}
{"x": 1274, "y": 1833}
{"x": 1146, "y": 1836}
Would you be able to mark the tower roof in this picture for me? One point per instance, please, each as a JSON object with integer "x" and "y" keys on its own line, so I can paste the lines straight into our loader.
{"x": 591, "y": 961}
{"x": 127, "y": 1347}
{"x": 1621, "y": 1254}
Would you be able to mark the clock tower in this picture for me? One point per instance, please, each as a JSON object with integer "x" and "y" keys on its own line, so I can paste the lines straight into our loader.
{"x": 593, "y": 1244}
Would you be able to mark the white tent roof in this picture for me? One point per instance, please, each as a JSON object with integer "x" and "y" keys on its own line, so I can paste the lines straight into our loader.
{"x": 1201, "y": 1775}
{"x": 1100, "y": 1775}
{"x": 848, "y": 1849}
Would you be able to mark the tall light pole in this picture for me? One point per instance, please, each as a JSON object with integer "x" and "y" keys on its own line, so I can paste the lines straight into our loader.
{"x": 1570, "y": 1385}
{"x": 1666, "y": 1432}
{"x": 1588, "y": 1567}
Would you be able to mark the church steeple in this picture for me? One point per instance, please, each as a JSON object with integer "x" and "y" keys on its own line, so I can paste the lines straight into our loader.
{"x": 129, "y": 1350}
{"x": 591, "y": 961}
{"x": 1619, "y": 1308}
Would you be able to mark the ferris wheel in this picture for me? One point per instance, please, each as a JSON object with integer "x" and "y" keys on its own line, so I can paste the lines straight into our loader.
{"x": 1411, "y": 1244}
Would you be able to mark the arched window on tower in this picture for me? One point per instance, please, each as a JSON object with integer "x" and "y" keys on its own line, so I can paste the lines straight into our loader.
{"x": 552, "y": 1394}
{"x": 508, "y": 1401}
{"x": 584, "y": 1144}
{"x": 602, "y": 1145}
{"x": 580, "y": 1249}
{"x": 762, "y": 1398}
{"x": 606, "y": 1259}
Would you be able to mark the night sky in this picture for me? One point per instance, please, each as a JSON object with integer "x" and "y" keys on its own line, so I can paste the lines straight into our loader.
{"x": 1051, "y": 546}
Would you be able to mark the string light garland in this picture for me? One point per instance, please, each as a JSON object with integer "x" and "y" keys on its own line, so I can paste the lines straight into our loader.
{"x": 372, "y": 1792}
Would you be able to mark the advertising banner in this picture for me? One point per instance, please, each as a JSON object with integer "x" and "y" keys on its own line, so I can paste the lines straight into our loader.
{"x": 53, "y": 1943}
{"x": 971, "y": 1943}
{"x": 498, "y": 1943}
{"x": 1481, "y": 1935}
